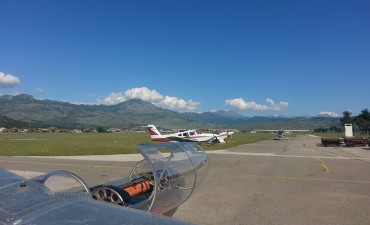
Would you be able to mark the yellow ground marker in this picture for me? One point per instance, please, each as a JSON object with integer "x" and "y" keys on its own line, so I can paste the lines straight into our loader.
{"x": 318, "y": 159}
{"x": 323, "y": 165}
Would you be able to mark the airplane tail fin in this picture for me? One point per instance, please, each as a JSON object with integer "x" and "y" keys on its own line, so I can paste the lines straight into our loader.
{"x": 153, "y": 130}
{"x": 155, "y": 135}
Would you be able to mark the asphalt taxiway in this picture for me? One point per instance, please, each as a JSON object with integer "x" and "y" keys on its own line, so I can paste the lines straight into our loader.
{"x": 296, "y": 181}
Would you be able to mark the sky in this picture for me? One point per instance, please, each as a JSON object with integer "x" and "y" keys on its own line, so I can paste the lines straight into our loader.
{"x": 257, "y": 58}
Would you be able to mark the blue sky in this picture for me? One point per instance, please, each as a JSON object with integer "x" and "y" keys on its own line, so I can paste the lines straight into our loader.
{"x": 254, "y": 57}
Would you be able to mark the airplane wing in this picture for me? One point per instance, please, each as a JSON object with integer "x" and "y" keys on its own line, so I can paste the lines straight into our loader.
{"x": 33, "y": 203}
{"x": 180, "y": 139}
{"x": 8, "y": 178}
{"x": 158, "y": 184}
{"x": 209, "y": 140}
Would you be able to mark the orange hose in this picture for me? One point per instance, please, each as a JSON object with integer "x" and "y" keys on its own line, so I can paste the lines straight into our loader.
{"x": 138, "y": 189}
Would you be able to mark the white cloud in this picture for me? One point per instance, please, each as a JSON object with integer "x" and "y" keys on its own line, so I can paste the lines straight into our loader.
{"x": 269, "y": 100}
{"x": 331, "y": 114}
{"x": 39, "y": 90}
{"x": 152, "y": 96}
{"x": 241, "y": 104}
{"x": 178, "y": 104}
{"x": 8, "y": 80}
{"x": 143, "y": 93}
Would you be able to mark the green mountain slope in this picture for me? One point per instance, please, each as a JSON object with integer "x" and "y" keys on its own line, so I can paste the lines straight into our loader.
{"x": 130, "y": 114}
{"x": 24, "y": 111}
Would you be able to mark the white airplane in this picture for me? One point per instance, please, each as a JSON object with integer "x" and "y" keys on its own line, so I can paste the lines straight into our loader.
{"x": 223, "y": 135}
{"x": 188, "y": 135}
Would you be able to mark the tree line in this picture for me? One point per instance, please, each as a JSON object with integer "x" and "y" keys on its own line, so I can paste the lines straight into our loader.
{"x": 362, "y": 120}
{"x": 326, "y": 130}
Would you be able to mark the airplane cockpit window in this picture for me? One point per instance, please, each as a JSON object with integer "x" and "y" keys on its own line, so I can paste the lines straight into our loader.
{"x": 61, "y": 181}
{"x": 185, "y": 134}
{"x": 164, "y": 179}
{"x": 192, "y": 133}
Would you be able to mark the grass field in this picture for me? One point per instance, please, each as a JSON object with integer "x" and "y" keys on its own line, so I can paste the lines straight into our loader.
{"x": 68, "y": 144}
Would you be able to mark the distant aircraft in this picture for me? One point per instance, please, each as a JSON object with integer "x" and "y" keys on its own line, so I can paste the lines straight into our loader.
{"x": 158, "y": 184}
{"x": 223, "y": 135}
{"x": 285, "y": 131}
{"x": 187, "y": 135}
{"x": 280, "y": 134}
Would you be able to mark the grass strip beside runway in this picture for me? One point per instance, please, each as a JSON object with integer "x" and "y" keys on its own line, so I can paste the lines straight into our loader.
{"x": 71, "y": 144}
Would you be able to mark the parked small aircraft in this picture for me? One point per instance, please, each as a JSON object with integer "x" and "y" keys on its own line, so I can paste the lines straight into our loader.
{"x": 223, "y": 135}
{"x": 158, "y": 184}
{"x": 283, "y": 130}
{"x": 280, "y": 134}
{"x": 187, "y": 135}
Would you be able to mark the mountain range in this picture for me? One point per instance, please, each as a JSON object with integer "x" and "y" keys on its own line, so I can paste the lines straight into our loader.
{"x": 24, "y": 110}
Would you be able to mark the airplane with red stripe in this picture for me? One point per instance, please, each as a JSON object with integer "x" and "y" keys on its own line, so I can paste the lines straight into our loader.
{"x": 187, "y": 135}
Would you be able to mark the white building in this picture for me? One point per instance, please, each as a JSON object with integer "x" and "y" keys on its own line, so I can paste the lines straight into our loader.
{"x": 3, "y": 129}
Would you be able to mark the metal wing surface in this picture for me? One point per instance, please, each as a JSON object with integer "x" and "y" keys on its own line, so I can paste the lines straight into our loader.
{"x": 7, "y": 178}
{"x": 32, "y": 202}
{"x": 166, "y": 178}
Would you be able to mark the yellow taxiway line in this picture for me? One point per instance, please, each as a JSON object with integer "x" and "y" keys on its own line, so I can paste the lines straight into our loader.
{"x": 296, "y": 178}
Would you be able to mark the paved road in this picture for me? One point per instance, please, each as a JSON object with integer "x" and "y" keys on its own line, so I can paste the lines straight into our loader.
{"x": 294, "y": 181}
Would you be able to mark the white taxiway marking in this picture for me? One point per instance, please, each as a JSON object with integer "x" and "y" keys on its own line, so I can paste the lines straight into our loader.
{"x": 225, "y": 152}
{"x": 26, "y": 174}
{"x": 310, "y": 135}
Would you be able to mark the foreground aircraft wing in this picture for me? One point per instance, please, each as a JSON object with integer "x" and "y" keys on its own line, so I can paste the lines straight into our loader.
{"x": 7, "y": 178}
{"x": 34, "y": 203}
{"x": 169, "y": 173}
